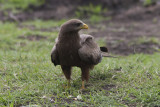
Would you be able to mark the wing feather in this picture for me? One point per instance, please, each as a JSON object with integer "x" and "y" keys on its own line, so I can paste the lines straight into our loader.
{"x": 54, "y": 54}
{"x": 89, "y": 51}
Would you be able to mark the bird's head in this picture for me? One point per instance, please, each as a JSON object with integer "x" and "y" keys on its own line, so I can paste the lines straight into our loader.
{"x": 73, "y": 25}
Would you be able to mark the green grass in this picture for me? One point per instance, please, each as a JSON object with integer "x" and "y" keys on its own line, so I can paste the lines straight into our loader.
{"x": 151, "y": 39}
{"x": 90, "y": 9}
{"x": 44, "y": 24}
{"x": 93, "y": 12}
{"x": 27, "y": 76}
{"x": 149, "y": 2}
{"x": 18, "y": 5}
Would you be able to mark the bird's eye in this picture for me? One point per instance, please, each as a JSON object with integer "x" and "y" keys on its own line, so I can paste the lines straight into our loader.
{"x": 78, "y": 24}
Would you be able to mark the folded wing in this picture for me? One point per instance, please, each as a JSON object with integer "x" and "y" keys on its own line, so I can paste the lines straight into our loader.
{"x": 89, "y": 51}
{"x": 54, "y": 54}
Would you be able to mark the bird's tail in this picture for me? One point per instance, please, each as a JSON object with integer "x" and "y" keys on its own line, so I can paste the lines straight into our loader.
{"x": 104, "y": 49}
{"x": 104, "y": 52}
{"x": 107, "y": 55}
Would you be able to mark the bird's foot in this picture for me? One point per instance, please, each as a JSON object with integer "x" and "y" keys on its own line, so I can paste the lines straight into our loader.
{"x": 68, "y": 85}
{"x": 83, "y": 87}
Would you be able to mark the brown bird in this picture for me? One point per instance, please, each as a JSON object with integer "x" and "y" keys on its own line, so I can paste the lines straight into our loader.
{"x": 72, "y": 49}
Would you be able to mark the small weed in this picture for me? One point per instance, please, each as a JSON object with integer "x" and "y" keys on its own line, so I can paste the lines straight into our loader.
{"x": 148, "y": 39}
{"x": 154, "y": 20}
{"x": 17, "y": 5}
{"x": 149, "y": 2}
{"x": 89, "y": 10}
{"x": 93, "y": 12}
{"x": 101, "y": 41}
{"x": 96, "y": 19}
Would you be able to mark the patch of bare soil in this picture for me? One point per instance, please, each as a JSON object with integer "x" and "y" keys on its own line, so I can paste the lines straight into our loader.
{"x": 33, "y": 37}
{"x": 124, "y": 49}
{"x": 60, "y": 9}
{"x": 64, "y": 100}
{"x": 124, "y": 30}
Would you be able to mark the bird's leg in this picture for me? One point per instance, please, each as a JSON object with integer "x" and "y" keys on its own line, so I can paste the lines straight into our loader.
{"x": 83, "y": 86}
{"x": 69, "y": 84}
{"x": 67, "y": 72}
{"x": 85, "y": 76}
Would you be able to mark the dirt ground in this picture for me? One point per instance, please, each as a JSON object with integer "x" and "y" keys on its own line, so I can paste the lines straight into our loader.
{"x": 136, "y": 30}
{"x": 131, "y": 30}
{"x": 58, "y": 9}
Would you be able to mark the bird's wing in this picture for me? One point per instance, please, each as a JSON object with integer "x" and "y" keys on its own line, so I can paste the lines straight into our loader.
{"x": 89, "y": 51}
{"x": 54, "y": 54}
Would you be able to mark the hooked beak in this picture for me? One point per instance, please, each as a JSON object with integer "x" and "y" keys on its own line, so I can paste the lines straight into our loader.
{"x": 84, "y": 26}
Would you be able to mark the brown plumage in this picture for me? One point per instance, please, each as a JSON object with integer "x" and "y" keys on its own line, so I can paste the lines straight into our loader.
{"x": 72, "y": 49}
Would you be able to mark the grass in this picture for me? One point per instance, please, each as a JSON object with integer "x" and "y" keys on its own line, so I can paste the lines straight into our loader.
{"x": 44, "y": 24}
{"x": 149, "y": 2}
{"x": 18, "y": 5}
{"x": 90, "y": 9}
{"x": 92, "y": 12}
{"x": 27, "y": 76}
{"x": 149, "y": 39}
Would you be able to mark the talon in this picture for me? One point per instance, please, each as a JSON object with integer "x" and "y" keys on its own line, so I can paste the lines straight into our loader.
{"x": 82, "y": 88}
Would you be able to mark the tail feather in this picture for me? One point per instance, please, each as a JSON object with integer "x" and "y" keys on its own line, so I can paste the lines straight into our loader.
{"x": 104, "y": 49}
{"x": 104, "y": 54}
